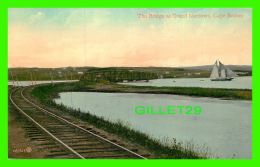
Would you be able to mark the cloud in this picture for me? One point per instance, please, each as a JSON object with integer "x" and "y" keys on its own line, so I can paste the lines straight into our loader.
{"x": 39, "y": 16}
{"x": 76, "y": 17}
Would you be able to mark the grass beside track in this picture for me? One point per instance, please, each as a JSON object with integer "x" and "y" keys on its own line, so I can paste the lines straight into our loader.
{"x": 176, "y": 150}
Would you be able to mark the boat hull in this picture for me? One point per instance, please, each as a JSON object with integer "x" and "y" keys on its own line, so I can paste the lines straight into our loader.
{"x": 221, "y": 79}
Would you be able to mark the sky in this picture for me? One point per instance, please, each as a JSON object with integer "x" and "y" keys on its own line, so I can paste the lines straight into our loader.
{"x": 105, "y": 37}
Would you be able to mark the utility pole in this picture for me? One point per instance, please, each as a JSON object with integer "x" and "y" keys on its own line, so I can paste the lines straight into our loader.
{"x": 51, "y": 78}
{"x": 31, "y": 77}
{"x": 12, "y": 77}
{"x": 17, "y": 80}
{"x": 66, "y": 77}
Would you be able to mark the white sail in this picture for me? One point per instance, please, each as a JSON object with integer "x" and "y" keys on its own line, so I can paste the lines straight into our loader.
{"x": 214, "y": 73}
{"x": 221, "y": 66}
{"x": 223, "y": 73}
{"x": 229, "y": 73}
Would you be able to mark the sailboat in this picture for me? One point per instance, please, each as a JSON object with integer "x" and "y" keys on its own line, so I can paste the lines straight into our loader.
{"x": 221, "y": 73}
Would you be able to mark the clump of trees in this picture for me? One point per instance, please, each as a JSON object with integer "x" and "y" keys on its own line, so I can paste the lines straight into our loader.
{"x": 117, "y": 75}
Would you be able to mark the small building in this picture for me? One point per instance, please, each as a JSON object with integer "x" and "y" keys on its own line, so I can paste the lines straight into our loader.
{"x": 167, "y": 72}
{"x": 80, "y": 73}
{"x": 59, "y": 73}
{"x": 197, "y": 73}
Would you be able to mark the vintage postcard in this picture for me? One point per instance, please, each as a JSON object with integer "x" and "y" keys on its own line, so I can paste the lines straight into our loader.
{"x": 130, "y": 83}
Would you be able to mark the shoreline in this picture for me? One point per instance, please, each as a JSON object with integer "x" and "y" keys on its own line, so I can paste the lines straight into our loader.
{"x": 46, "y": 93}
{"x": 224, "y": 94}
{"x": 105, "y": 86}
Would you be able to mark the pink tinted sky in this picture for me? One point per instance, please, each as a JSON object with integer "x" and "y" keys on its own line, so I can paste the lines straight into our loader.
{"x": 55, "y": 38}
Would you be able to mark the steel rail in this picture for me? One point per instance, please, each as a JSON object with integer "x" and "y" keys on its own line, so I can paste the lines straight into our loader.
{"x": 45, "y": 130}
{"x": 62, "y": 119}
{"x": 68, "y": 122}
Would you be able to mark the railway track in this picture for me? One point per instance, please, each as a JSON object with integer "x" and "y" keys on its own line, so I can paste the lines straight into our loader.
{"x": 69, "y": 139}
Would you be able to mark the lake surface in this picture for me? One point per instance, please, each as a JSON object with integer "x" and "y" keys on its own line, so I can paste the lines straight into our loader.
{"x": 236, "y": 83}
{"x": 224, "y": 125}
{"x": 27, "y": 83}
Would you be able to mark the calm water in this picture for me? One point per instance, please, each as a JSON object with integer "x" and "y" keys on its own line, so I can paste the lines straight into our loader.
{"x": 27, "y": 83}
{"x": 224, "y": 126}
{"x": 237, "y": 83}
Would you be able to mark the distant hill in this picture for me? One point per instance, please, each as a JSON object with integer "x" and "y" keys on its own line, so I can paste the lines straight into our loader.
{"x": 209, "y": 67}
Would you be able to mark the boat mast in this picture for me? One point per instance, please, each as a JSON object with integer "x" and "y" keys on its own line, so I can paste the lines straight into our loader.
{"x": 215, "y": 71}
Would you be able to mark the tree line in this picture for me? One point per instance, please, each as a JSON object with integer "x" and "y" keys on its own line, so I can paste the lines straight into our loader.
{"x": 118, "y": 76}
